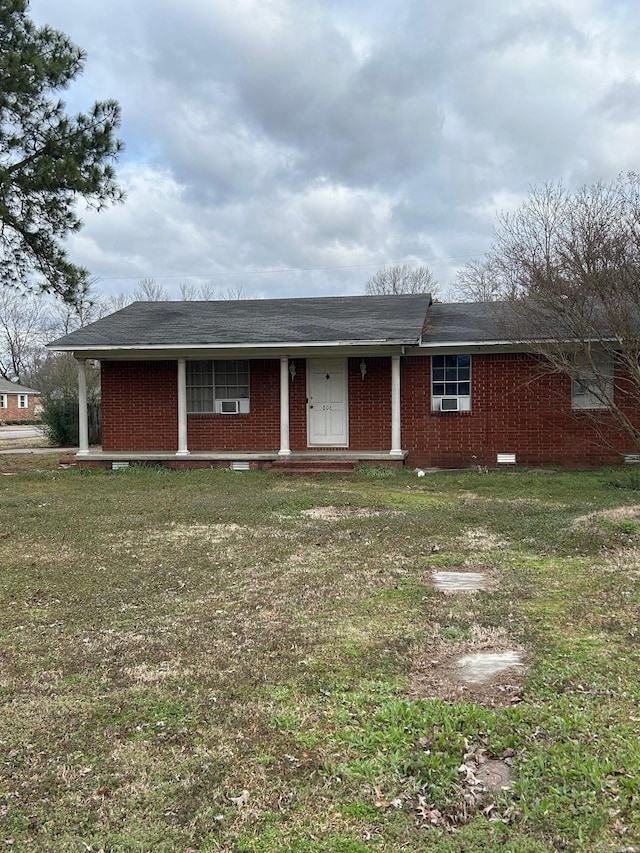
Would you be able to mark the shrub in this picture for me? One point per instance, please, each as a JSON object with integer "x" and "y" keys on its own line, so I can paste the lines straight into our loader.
{"x": 60, "y": 422}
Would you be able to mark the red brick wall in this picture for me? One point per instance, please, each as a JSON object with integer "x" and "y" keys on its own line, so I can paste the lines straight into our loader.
{"x": 13, "y": 413}
{"x": 370, "y": 404}
{"x": 258, "y": 430}
{"x": 139, "y": 405}
{"x": 140, "y": 410}
{"x": 298, "y": 407}
{"x": 517, "y": 407}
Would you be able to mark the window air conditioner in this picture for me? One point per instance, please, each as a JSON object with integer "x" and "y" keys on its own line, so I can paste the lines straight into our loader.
{"x": 229, "y": 407}
{"x": 449, "y": 404}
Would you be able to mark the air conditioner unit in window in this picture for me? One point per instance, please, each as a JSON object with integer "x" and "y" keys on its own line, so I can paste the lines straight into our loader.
{"x": 229, "y": 407}
{"x": 449, "y": 404}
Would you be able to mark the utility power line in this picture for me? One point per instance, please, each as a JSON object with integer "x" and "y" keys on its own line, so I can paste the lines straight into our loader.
{"x": 273, "y": 271}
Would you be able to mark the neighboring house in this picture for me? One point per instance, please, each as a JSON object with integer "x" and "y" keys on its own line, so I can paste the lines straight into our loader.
{"x": 377, "y": 379}
{"x": 17, "y": 402}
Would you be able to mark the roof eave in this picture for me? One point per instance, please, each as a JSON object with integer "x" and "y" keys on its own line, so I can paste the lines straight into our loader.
{"x": 275, "y": 345}
{"x": 522, "y": 344}
{"x": 468, "y": 343}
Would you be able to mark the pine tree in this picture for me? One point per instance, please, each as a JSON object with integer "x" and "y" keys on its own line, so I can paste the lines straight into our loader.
{"x": 48, "y": 159}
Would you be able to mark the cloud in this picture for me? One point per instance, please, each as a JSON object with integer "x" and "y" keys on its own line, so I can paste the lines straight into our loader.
{"x": 274, "y": 134}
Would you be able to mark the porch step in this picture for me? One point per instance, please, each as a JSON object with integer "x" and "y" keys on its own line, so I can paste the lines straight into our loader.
{"x": 314, "y": 466}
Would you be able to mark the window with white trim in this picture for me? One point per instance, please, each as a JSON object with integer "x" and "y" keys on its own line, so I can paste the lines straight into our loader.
{"x": 4, "y": 401}
{"x": 23, "y": 401}
{"x": 218, "y": 386}
{"x": 450, "y": 383}
{"x": 592, "y": 386}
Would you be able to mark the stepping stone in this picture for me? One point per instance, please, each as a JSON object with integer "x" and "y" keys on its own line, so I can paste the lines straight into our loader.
{"x": 483, "y": 666}
{"x": 495, "y": 775}
{"x": 459, "y": 581}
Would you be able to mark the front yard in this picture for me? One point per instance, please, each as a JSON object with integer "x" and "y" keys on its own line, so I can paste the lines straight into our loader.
{"x": 217, "y": 661}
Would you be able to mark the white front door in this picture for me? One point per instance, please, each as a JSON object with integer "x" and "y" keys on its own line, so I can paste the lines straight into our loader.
{"x": 327, "y": 396}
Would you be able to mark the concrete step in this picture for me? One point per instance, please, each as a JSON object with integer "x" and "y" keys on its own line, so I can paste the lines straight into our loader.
{"x": 314, "y": 466}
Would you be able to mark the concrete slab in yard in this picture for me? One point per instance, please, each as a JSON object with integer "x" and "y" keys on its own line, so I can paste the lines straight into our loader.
{"x": 495, "y": 775}
{"x": 459, "y": 581}
{"x": 481, "y": 667}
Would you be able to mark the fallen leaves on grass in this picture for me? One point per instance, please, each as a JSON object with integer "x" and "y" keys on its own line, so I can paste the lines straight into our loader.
{"x": 241, "y": 800}
{"x": 483, "y": 779}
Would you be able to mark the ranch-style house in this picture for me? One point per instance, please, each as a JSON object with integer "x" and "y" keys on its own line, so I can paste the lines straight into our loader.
{"x": 383, "y": 380}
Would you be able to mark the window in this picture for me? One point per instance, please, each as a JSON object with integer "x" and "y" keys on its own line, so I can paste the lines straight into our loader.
{"x": 591, "y": 386}
{"x": 218, "y": 386}
{"x": 4, "y": 401}
{"x": 200, "y": 386}
{"x": 231, "y": 380}
{"x": 23, "y": 401}
{"x": 450, "y": 383}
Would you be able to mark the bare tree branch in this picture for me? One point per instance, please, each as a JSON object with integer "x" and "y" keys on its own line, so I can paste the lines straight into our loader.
{"x": 22, "y": 332}
{"x": 149, "y": 290}
{"x": 478, "y": 282}
{"x": 402, "y": 278}
{"x": 569, "y": 264}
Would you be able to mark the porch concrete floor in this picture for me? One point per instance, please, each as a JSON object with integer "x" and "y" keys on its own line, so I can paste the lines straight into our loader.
{"x": 99, "y": 455}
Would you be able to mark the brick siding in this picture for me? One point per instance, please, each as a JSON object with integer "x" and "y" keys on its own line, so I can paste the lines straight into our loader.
{"x": 516, "y": 407}
{"x": 258, "y": 430}
{"x": 140, "y": 410}
{"x": 13, "y": 412}
{"x": 139, "y": 405}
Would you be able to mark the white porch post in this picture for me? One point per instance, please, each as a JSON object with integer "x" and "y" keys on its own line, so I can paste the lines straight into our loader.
{"x": 83, "y": 417}
{"x": 284, "y": 407}
{"x": 183, "y": 450}
{"x": 396, "y": 446}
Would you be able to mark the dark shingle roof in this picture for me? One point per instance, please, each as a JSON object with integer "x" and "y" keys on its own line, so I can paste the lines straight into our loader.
{"x": 257, "y": 321}
{"x": 455, "y": 322}
{"x": 522, "y": 322}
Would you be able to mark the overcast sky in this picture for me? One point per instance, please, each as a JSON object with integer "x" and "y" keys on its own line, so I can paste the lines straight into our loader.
{"x": 292, "y": 147}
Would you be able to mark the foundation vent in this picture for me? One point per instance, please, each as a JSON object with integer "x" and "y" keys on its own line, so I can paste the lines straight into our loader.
{"x": 632, "y": 458}
{"x": 240, "y": 466}
{"x": 116, "y": 466}
{"x": 506, "y": 459}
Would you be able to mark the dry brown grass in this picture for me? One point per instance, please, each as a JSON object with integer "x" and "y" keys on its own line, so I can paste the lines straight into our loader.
{"x": 169, "y": 640}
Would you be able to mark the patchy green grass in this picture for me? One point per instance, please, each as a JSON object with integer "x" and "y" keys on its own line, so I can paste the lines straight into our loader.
{"x": 169, "y": 641}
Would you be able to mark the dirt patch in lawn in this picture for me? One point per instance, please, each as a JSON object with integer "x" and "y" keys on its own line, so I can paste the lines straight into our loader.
{"x": 145, "y": 673}
{"x": 441, "y": 670}
{"x": 185, "y": 532}
{"x": 619, "y": 513}
{"x": 481, "y": 539}
{"x": 336, "y": 513}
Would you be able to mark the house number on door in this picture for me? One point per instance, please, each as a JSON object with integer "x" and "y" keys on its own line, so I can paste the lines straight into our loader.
{"x": 327, "y": 408}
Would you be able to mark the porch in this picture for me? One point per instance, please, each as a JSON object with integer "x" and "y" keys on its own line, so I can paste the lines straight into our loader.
{"x": 335, "y": 405}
